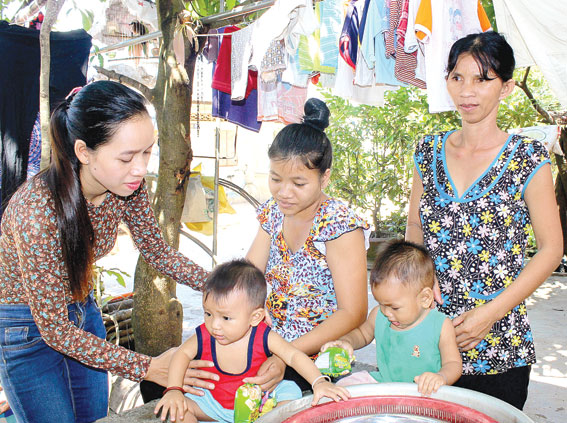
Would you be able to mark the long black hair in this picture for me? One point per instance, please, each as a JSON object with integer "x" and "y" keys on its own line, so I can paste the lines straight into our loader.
{"x": 307, "y": 140}
{"x": 92, "y": 115}
{"x": 491, "y": 52}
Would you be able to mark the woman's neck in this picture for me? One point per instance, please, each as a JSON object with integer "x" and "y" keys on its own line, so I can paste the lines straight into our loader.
{"x": 307, "y": 215}
{"x": 479, "y": 135}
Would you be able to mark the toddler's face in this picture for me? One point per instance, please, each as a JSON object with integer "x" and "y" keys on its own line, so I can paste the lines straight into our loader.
{"x": 228, "y": 319}
{"x": 400, "y": 303}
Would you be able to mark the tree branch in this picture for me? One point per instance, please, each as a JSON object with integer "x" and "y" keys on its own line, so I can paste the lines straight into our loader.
{"x": 524, "y": 86}
{"x": 123, "y": 79}
{"x": 52, "y": 10}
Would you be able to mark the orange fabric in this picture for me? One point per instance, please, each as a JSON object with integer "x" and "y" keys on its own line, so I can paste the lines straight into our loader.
{"x": 483, "y": 18}
{"x": 424, "y": 19}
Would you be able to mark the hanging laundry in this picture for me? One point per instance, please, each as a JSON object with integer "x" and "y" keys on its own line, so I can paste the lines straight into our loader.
{"x": 286, "y": 19}
{"x": 318, "y": 51}
{"x": 535, "y": 30}
{"x": 243, "y": 112}
{"x": 345, "y": 88}
{"x": 373, "y": 44}
{"x": 268, "y": 99}
{"x": 364, "y": 72}
{"x": 291, "y": 100}
{"x": 222, "y": 74}
{"x": 280, "y": 101}
{"x": 211, "y": 47}
{"x": 19, "y": 90}
{"x": 241, "y": 52}
{"x": 438, "y": 24}
{"x": 405, "y": 63}
{"x": 411, "y": 44}
{"x": 363, "y": 14}
{"x": 348, "y": 41}
{"x": 273, "y": 64}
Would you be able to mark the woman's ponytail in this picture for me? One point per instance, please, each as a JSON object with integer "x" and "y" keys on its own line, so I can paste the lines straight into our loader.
{"x": 74, "y": 226}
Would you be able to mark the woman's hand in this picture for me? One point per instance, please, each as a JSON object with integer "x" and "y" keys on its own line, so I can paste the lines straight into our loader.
{"x": 4, "y": 406}
{"x": 271, "y": 373}
{"x": 194, "y": 378}
{"x": 472, "y": 326}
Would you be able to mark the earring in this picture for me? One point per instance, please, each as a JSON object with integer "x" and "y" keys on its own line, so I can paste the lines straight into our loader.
{"x": 87, "y": 162}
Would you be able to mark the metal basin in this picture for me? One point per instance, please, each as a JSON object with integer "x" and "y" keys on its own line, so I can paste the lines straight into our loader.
{"x": 496, "y": 409}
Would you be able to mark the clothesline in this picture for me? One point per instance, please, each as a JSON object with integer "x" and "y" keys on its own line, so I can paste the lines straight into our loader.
{"x": 359, "y": 52}
{"x": 206, "y": 21}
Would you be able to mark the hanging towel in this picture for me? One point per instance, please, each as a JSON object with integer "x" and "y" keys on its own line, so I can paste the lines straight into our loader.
{"x": 19, "y": 90}
{"x": 535, "y": 30}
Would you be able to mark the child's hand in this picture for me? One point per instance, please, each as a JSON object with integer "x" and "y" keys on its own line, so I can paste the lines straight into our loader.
{"x": 341, "y": 344}
{"x": 327, "y": 389}
{"x": 174, "y": 403}
{"x": 428, "y": 382}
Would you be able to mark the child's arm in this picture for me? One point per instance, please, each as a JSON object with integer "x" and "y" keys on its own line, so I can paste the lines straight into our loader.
{"x": 174, "y": 401}
{"x": 451, "y": 363}
{"x": 356, "y": 338}
{"x": 306, "y": 368}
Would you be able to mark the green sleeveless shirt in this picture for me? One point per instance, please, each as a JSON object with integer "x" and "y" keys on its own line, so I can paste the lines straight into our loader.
{"x": 402, "y": 355}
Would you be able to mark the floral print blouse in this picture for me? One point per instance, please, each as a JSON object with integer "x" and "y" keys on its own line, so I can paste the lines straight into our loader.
{"x": 302, "y": 291}
{"x": 477, "y": 240}
{"x": 32, "y": 271}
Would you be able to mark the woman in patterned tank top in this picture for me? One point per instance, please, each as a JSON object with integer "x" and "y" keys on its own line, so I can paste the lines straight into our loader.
{"x": 477, "y": 192}
{"x": 311, "y": 247}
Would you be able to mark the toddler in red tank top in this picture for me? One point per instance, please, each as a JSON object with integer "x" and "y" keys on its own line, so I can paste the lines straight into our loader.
{"x": 236, "y": 339}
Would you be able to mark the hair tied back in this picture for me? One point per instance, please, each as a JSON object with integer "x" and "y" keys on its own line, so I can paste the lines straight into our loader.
{"x": 316, "y": 114}
{"x": 72, "y": 94}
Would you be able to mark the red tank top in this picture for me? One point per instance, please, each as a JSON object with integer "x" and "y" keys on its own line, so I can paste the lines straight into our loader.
{"x": 258, "y": 352}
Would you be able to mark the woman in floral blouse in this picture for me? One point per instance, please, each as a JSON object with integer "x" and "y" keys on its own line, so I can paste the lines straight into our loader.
{"x": 52, "y": 340}
{"x": 310, "y": 246}
{"x": 477, "y": 191}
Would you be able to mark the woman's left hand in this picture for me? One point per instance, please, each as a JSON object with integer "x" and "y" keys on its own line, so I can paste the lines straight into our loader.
{"x": 472, "y": 326}
{"x": 271, "y": 373}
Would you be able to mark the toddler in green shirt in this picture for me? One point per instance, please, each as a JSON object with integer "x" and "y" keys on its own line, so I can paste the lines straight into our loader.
{"x": 414, "y": 343}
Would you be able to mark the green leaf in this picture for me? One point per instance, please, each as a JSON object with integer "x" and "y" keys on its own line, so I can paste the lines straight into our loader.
{"x": 88, "y": 17}
{"x": 118, "y": 276}
{"x": 229, "y": 4}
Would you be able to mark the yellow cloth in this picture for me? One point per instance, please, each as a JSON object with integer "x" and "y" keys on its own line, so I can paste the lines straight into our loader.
{"x": 224, "y": 206}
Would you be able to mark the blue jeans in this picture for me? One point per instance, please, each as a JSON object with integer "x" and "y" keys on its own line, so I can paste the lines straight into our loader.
{"x": 41, "y": 384}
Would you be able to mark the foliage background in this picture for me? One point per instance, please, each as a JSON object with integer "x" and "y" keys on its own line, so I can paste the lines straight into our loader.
{"x": 373, "y": 146}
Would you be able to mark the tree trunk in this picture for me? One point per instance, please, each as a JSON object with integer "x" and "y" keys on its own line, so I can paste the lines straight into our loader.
{"x": 158, "y": 315}
{"x": 53, "y": 9}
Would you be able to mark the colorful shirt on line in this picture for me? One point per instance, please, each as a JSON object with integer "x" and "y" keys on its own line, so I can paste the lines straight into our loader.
{"x": 477, "y": 240}
{"x": 32, "y": 270}
{"x": 302, "y": 291}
